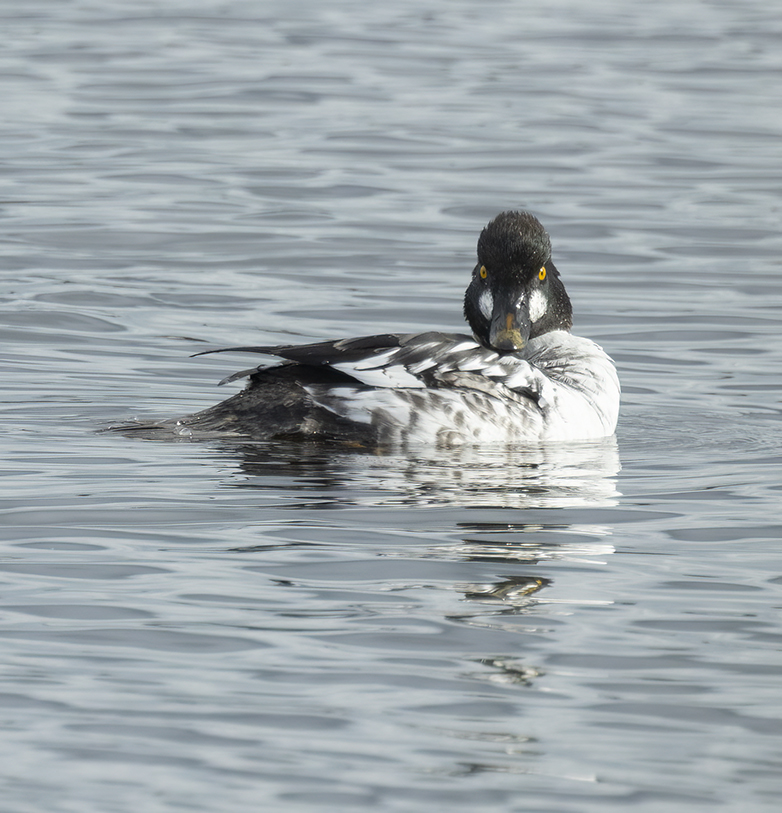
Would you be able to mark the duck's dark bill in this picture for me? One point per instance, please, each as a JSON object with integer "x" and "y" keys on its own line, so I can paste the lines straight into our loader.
{"x": 510, "y": 326}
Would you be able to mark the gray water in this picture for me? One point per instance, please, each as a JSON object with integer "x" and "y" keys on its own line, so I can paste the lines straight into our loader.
{"x": 207, "y": 627}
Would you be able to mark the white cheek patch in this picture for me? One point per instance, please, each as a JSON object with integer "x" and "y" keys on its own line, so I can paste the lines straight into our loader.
{"x": 486, "y": 304}
{"x": 538, "y": 305}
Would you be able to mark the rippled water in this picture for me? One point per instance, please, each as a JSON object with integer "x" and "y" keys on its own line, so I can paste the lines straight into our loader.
{"x": 208, "y": 627}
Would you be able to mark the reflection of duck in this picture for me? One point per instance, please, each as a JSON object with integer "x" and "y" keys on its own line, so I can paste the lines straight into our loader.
{"x": 523, "y": 377}
{"x": 552, "y": 475}
{"x": 559, "y": 475}
{"x": 514, "y": 590}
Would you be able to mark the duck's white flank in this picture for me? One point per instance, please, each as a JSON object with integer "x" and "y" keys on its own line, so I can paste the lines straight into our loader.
{"x": 563, "y": 388}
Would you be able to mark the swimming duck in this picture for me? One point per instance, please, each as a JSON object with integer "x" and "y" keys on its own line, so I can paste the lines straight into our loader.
{"x": 522, "y": 377}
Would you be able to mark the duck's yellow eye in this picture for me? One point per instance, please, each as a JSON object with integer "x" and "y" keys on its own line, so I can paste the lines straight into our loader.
{"x": 483, "y": 272}
{"x": 542, "y": 273}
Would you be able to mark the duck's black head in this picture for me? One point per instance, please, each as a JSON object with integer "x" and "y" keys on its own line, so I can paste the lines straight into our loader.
{"x": 516, "y": 292}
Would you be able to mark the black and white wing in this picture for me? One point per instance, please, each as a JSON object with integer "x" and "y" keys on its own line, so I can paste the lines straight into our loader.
{"x": 414, "y": 361}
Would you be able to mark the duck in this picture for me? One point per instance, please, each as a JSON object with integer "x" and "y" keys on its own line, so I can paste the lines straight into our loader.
{"x": 521, "y": 377}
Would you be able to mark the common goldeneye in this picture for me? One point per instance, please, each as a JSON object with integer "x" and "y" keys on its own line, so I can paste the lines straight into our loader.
{"x": 522, "y": 377}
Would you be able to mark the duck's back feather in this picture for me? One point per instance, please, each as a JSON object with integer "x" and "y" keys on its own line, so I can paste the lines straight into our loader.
{"x": 523, "y": 378}
{"x": 430, "y": 387}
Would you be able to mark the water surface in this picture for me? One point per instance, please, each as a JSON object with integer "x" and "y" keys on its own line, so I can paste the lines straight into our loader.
{"x": 206, "y": 626}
